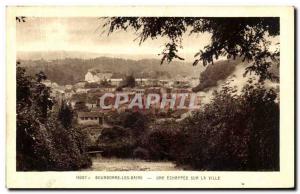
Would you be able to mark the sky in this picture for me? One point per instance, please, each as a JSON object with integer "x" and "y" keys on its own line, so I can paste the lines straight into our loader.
{"x": 86, "y": 35}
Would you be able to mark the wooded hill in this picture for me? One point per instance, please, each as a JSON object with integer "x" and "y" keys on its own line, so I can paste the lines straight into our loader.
{"x": 72, "y": 70}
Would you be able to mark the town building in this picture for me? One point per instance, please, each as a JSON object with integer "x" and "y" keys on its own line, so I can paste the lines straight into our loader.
{"x": 115, "y": 81}
{"x": 90, "y": 118}
{"x": 68, "y": 87}
{"x": 141, "y": 81}
{"x": 95, "y": 75}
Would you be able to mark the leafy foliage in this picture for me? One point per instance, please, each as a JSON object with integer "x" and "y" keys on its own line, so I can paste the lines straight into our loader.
{"x": 65, "y": 115}
{"x": 231, "y": 37}
{"x": 43, "y": 143}
{"x": 163, "y": 141}
{"x": 129, "y": 81}
{"x": 234, "y": 132}
{"x": 21, "y": 19}
{"x": 125, "y": 136}
{"x": 117, "y": 141}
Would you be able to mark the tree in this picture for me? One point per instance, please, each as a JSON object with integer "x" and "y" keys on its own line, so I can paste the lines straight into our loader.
{"x": 33, "y": 93}
{"x": 65, "y": 115}
{"x": 42, "y": 142}
{"x": 33, "y": 105}
{"x": 236, "y": 131}
{"x": 129, "y": 81}
{"x": 230, "y": 37}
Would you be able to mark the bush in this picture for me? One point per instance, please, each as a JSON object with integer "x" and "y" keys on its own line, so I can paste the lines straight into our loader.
{"x": 162, "y": 140}
{"x": 234, "y": 132}
{"x": 69, "y": 150}
{"x": 127, "y": 136}
{"x": 117, "y": 141}
{"x": 43, "y": 143}
{"x": 141, "y": 153}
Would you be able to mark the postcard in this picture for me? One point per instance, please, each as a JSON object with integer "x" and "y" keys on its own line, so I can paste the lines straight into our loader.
{"x": 150, "y": 97}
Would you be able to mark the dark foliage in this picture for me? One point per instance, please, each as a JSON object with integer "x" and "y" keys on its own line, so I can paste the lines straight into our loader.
{"x": 65, "y": 115}
{"x": 231, "y": 37}
{"x": 215, "y": 73}
{"x": 117, "y": 141}
{"x": 141, "y": 153}
{"x": 125, "y": 136}
{"x": 129, "y": 81}
{"x": 43, "y": 143}
{"x": 92, "y": 85}
{"x": 163, "y": 141}
{"x": 234, "y": 132}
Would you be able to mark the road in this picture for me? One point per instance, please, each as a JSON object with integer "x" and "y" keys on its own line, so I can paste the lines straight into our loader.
{"x": 117, "y": 164}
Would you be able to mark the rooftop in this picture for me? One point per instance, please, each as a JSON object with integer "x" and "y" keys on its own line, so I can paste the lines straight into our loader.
{"x": 89, "y": 114}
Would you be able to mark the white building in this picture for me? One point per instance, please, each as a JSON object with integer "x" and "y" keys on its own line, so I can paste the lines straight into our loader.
{"x": 95, "y": 75}
{"x": 50, "y": 84}
{"x": 115, "y": 81}
{"x": 68, "y": 87}
{"x": 90, "y": 118}
{"x": 82, "y": 90}
{"x": 141, "y": 81}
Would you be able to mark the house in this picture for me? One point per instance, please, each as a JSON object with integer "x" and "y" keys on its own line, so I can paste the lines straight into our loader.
{"x": 141, "y": 81}
{"x": 92, "y": 101}
{"x": 78, "y": 98}
{"x": 108, "y": 89}
{"x": 95, "y": 75}
{"x": 68, "y": 87}
{"x": 90, "y": 118}
{"x": 139, "y": 91}
{"x": 115, "y": 81}
{"x": 50, "y": 84}
{"x": 91, "y": 105}
{"x": 165, "y": 82}
{"x": 82, "y": 90}
{"x": 152, "y": 82}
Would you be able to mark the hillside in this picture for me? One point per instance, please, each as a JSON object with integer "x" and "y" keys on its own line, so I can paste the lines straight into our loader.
{"x": 223, "y": 69}
{"x": 71, "y": 70}
{"x": 213, "y": 73}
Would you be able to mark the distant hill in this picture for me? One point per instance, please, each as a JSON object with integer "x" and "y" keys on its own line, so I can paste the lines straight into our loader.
{"x": 53, "y": 55}
{"x": 71, "y": 70}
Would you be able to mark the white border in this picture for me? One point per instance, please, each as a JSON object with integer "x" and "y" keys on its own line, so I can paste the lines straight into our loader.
{"x": 283, "y": 179}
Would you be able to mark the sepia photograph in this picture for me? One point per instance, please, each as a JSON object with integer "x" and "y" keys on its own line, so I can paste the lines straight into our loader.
{"x": 147, "y": 93}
